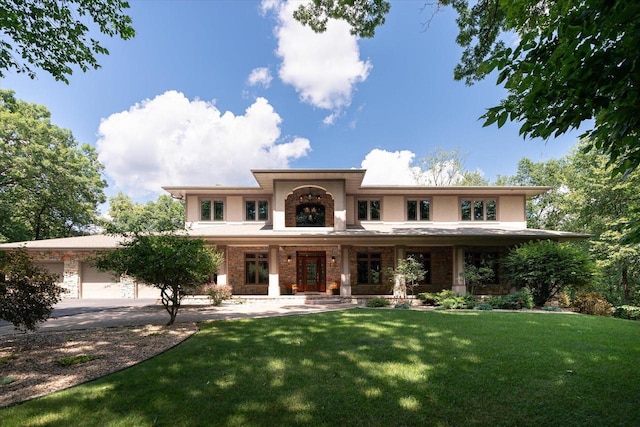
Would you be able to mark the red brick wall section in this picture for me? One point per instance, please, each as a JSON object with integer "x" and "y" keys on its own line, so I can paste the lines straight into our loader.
{"x": 293, "y": 200}
{"x": 235, "y": 270}
{"x": 288, "y": 273}
{"x": 441, "y": 267}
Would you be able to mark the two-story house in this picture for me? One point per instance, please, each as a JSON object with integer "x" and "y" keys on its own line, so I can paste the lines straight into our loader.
{"x": 323, "y": 229}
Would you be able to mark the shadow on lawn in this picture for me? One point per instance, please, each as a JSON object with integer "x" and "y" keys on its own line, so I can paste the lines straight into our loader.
{"x": 369, "y": 368}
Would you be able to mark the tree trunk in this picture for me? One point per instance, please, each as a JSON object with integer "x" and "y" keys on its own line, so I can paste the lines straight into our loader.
{"x": 625, "y": 282}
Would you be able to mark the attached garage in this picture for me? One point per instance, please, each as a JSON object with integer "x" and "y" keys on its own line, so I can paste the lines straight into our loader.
{"x": 98, "y": 284}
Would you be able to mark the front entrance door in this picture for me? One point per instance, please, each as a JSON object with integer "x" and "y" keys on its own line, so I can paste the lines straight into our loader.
{"x": 311, "y": 271}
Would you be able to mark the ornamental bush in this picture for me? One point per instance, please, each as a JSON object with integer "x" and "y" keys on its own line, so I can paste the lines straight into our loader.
{"x": 630, "y": 312}
{"x": 592, "y": 303}
{"x": 547, "y": 268}
{"x": 218, "y": 293}
{"x": 377, "y": 302}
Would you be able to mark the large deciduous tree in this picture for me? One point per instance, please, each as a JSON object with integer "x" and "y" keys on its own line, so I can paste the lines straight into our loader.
{"x": 173, "y": 263}
{"x": 54, "y": 35}
{"x": 165, "y": 214}
{"x": 27, "y": 292}
{"x": 49, "y": 185}
{"x": 573, "y": 62}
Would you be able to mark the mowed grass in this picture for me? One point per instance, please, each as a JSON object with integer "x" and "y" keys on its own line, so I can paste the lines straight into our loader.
{"x": 367, "y": 367}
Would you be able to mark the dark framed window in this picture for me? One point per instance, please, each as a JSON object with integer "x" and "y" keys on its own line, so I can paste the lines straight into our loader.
{"x": 369, "y": 210}
{"x": 369, "y": 267}
{"x": 211, "y": 210}
{"x": 425, "y": 259}
{"x": 256, "y": 210}
{"x": 256, "y": 268}
{"x": 479, "y": 209}
{"x": 418, "y": 210}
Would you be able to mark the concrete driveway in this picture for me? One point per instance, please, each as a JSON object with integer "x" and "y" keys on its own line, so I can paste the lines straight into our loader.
{"x": 102, "y": 313}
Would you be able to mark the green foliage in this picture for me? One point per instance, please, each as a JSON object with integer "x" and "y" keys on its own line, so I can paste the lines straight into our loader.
{"x": 377, "y": 302}
{"x": 483, "y": 307}
{"x": 592, "y": 303}
{"x": 51, "y": 35}
{"x": 165, "y": 214}
{"x": 478, "y": 276}
{"x": 627, "y": 312}
{"x": 27, "y": 292}
{"x": 49, "y": 186}
{"x": 427, "y": 298}
{"x": 449, "y": 300}
{"x": 407, "y": 275}
{"x": 363, "y": 16}
{"x": 175, "y": 264}
{"x": 516, "y": 301}
{"x": 548, "y": 267}
{"x": 550, "y": 308}
{"x": 76, "y": 360}
{"x": 218, "y": 293}
{"x": 403, "y": 306}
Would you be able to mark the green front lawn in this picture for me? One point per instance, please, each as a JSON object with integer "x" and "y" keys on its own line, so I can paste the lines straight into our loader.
{"x": 368, "y": 367}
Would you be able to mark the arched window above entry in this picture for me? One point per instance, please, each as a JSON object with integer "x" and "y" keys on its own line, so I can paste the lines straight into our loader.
{"x": 309, "y": 207}
{"x": 310, "y": 215}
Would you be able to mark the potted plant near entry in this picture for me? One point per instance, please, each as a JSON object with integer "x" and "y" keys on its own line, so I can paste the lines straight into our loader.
{"x": 292, "y": 289}
{"x": 334, "y": 288}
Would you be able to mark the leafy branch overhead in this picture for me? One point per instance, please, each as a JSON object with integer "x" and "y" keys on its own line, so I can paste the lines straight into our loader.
{"x": 572, "y": 64}
{"x": 54, "y": 35}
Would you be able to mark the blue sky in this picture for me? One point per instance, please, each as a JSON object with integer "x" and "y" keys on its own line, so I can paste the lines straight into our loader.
{"x": 208, "y": 90}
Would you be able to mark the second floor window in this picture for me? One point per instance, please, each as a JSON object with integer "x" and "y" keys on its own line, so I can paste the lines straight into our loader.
{"x": 211, "y": 210}
{"x": 478, "y": 210}
{"x": 369, "y": 210}
{"x": 418, "y": 210}
{"x": 256, "y": 210}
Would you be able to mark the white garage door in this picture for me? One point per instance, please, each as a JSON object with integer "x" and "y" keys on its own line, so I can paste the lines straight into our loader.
{"x": 98, "y": 284}
{"x": 56, "y": 268}
{"x": 146, "y": 291}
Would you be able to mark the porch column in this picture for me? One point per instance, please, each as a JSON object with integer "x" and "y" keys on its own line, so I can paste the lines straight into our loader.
{"x": 221, "y": 278}
{"x": 459, "y": 286}
{"x": 71, "y": 279}
{"x": 345, "y": 275}
{"x": 274, "y": 275}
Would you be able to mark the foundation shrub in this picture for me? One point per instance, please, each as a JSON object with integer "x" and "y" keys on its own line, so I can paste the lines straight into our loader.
{"x": 427, "y": 298}
{"x": 630, "y": 312}
{"x": 377, "y": 302}
{"x": 592, "y": 303}
{"x": 218, "y": 293}
{"x": 516, "y": 301}
{"x": 483, "y": 306}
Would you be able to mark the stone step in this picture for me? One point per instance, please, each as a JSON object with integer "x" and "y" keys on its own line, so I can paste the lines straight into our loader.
{"x": 323, "y": 300}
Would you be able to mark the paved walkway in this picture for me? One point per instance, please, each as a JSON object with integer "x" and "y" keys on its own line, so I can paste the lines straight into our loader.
{"x": 86, "y": 314}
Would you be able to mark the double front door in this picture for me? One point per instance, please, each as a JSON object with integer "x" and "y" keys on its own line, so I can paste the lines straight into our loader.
{"x": 311, "y": 267}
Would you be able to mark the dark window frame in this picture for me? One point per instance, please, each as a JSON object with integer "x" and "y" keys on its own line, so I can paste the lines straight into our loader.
{"x": 215, "y": 210}
{"x": 257, "y": 209}
{"x": 478, "y": 209}
{"x": 418, "y": 210}
{"x": 373, "y": 263}
{"x": 258, "y": 260}
{"x": 373, "y": 208}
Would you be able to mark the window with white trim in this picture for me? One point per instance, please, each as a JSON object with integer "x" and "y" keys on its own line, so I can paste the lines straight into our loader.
{"x": 211, "y": 210}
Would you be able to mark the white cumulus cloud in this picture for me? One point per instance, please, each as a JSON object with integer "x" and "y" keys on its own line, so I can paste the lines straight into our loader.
{"x": 260, "y": 76}
{"x": 323, "y": 68}
{"x": 389, "y": 168}
{"x": 171, "y": 140}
